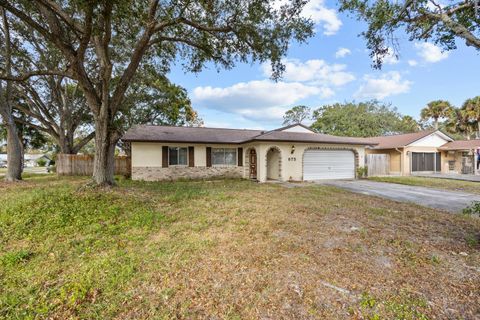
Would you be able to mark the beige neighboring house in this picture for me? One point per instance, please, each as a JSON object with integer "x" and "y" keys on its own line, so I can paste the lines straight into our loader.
{"x": 459, "y": 156}
{"x": 292, "y": 153}
{"x": 413, "y": 153}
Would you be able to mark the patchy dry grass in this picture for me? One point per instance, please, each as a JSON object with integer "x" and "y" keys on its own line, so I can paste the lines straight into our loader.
{"x": 446, "y": 184}
{"x": 230, "y": 250}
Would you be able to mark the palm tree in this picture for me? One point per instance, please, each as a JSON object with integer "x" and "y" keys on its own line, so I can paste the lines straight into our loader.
{"x": 435, "y": 110}
{"x": 472, "y": 110}
{"x": 459, "y": 122}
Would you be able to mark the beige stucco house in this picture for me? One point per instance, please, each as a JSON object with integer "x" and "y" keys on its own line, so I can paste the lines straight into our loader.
{"x": 426, "y": 152}
{"x": 292, "y": 153}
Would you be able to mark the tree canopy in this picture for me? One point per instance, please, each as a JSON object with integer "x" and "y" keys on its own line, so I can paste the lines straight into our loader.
{"x": 103, "y": 43}
{"x": 436, "y": 110}
{"x": 364, "y": 119}
{"x": 297, "y": 114}
{"x": 422, "y": 20}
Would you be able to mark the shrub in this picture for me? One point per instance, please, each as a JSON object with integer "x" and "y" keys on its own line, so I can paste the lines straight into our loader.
{"x": 362, "y": 172}
{"x": 474, "y": 208}
{"x": 41, "y": 162}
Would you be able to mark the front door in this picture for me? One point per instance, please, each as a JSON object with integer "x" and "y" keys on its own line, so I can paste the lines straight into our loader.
{"x": 253, "y": 164}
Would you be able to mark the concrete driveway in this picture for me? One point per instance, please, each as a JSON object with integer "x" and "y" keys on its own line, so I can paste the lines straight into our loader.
{"x": 452, "y": 201}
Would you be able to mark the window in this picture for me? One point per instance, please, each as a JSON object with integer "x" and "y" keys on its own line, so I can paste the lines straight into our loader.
{"x": 177, "y": 156}
{"x": 224, "y": 156}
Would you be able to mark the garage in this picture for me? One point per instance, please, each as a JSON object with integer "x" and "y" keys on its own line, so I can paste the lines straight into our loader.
{"x": 328, "y": 164}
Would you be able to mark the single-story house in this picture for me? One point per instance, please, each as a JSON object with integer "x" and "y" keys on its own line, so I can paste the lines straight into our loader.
{"x": 291, "y": 153}
{"x": 426, "y": 152}
{"x": 459, "y": 156}
{"x": 412, "y": 153}
{"x": 31, "y": 160}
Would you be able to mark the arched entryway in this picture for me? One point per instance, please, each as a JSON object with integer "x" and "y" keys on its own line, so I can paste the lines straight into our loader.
{"x": 274, "y": 164}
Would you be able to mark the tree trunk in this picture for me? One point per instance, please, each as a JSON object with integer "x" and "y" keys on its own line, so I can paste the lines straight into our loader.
{"x": 478, "y": 132}
{"x": 435, "y": 123}
{"x": 105, "y": 143}
{"x": 14, "y": 152}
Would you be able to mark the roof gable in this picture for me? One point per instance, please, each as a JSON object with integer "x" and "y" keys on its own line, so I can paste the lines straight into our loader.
{"x": 408, "y": 139}
{"x": 435, "y": 139}
{"x": 296, "y": 127}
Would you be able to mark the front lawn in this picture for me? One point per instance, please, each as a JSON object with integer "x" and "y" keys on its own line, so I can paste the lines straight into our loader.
{"x": 229, "y": 249}
{"x": 438, "y": 183}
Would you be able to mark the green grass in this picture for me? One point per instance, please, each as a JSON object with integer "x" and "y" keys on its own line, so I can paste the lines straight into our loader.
{"x": 445, "y": 184}
{"x": 230, "y": 249}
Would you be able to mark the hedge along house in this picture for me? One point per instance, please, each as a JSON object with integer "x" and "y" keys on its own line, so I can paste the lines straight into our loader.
{"x": 412, "y": 153}
{"x": 292, "y": 153}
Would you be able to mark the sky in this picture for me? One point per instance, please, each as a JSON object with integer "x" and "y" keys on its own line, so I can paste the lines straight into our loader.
{"x": 334, "y": 66}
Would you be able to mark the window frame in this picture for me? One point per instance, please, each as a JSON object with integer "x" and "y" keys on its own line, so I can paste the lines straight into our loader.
{"x": 178, "y": 156}
{"x": 235, "y": 158}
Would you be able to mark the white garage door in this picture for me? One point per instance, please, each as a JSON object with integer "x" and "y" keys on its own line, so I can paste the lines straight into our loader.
{"x": 328, "y": 164}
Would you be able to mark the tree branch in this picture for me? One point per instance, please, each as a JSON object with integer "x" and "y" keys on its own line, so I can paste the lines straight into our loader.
{"x": 30, "y": 74}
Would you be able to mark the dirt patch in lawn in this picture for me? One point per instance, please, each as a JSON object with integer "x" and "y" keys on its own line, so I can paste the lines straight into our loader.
{"x": 240, "y": 250}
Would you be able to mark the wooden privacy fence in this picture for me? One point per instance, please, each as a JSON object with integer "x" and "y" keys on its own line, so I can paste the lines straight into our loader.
{"x": 378, "y": 164}
{"x": 82, "y": 165}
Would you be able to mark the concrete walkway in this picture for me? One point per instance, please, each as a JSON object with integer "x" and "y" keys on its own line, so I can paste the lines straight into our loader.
{"x": 451, "y": 176}
{"x": 451, "y": 201}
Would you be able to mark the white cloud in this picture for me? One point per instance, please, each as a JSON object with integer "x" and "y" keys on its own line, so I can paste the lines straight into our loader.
{"x": 316, "y": 72}
{"x": 390, "y": 57}
{"x": 342, "y": 52}
{"x": 381, "y": 87}
{"x": 412, "y": 63}
{"x": 255, "y": 100}
{"x": 320, "y": 15}
{"x": 430, "y": 52}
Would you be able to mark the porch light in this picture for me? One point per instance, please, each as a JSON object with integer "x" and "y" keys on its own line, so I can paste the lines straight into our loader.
{"x": 293, "y": 150}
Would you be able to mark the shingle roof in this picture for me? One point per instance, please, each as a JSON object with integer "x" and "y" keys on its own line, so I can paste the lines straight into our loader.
{"x": 399, "y": 140}
{"x": 461, "y": 145}
{"x": 147, "y": 133}
{"x": 310, "y": 137}
{"x": 188, "y": 134}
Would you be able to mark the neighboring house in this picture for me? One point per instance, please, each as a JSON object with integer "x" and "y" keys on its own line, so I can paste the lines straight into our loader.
{"x": 426, "y": 152}
{"x": 459, "y": 156}
{"x": 412, "y": 153}
{"x": 31, "y": 160}
{"x": 292, "y": 153}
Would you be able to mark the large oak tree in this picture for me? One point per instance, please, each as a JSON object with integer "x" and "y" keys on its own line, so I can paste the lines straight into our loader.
{"x": 14, "y": 144}
{"x": 119, "y": 35}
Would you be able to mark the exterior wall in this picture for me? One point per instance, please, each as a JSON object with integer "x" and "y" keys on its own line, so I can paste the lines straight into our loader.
{"x": 146, "y": 154}
{"x": 147, "y": 161}
{"x": 291, "y": 164}
{"x": 434, "y": 140}
{"x": 395, "y": 159}
{"x": 456, "y": 156}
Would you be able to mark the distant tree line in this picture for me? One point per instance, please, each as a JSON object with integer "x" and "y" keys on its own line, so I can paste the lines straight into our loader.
{"x": 374, "y": 118}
